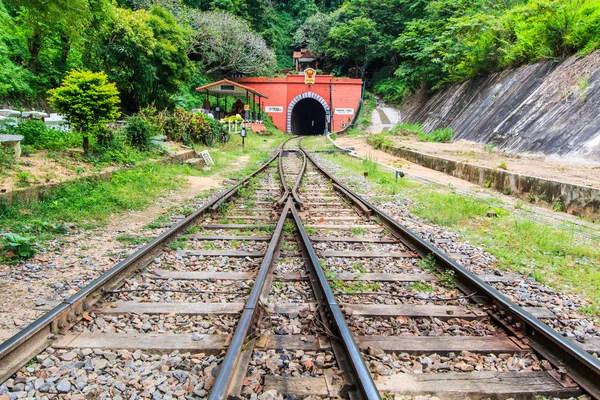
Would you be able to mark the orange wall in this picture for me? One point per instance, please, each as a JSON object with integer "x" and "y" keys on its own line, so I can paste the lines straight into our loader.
{"x": 346, "y": 94}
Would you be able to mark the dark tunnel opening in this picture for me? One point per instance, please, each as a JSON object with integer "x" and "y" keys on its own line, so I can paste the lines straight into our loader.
{"x": 308, "y": 118}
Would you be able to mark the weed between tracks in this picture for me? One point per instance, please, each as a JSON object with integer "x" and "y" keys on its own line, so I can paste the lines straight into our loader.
{"x": 553, "y": 255}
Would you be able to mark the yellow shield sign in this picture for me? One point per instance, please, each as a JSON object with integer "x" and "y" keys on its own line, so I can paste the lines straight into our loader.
{"x": 310, "y": 76}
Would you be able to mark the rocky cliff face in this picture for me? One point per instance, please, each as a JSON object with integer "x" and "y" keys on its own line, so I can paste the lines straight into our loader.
{"x": 549, "y": 108}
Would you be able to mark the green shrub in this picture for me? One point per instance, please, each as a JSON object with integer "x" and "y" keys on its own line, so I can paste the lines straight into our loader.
{"x": 88, "y": 100}
{"x": 7, "y": 158}
{"x": 139, "y": 132}
{"x": 439, "y": 135}
{"x": 392, "y": 90}
{"x": 380, "y": 140}
{"x": 189, "y": 128}
{"x": 37, "y": 135}
{"x": 19, "y": 247}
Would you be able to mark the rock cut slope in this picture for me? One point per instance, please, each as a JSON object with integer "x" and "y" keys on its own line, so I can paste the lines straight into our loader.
{"x": 548, "y": 107}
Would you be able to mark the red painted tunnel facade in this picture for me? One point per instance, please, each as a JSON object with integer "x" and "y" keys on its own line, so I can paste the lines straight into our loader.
{"x": 296, "y": 107}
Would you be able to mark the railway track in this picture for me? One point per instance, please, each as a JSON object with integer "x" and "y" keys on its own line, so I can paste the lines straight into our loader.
{"x": 290, "y": 284}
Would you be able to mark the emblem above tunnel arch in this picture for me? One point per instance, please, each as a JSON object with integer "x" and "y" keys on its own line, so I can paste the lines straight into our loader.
{"x": 314, "y": 97}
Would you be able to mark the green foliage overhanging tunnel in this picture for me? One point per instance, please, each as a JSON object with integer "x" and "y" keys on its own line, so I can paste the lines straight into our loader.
{"x": 157, "y": 51}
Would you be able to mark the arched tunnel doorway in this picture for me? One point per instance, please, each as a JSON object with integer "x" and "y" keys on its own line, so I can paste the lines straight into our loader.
{"x": 308, "y": 117}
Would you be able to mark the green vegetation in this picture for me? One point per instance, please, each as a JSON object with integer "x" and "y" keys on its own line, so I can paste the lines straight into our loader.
{"x": 128, "y": 238}
{"x": 179, "y": 243}
{"x": 157, "y": 52}
{"x": 439, "y": 135}
{"x": 553, "y": 255}
{"x": 139, "y": 132}
{"x": 87, "y": 100}
{"x": 421, "y": 287}
{"x": 18, "y": 247}
{"x": 349, "y": 287}
{"x": 89, "y": 203}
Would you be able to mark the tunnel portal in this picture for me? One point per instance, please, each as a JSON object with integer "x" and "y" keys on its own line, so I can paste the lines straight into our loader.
{"x": 308, "y": 118}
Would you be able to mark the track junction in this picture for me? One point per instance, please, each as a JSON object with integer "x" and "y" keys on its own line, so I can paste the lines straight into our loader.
{"x": 272, "y": 289}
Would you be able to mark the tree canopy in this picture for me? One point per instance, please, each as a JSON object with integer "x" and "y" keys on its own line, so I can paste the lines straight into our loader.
{"x": 88, "y": 100}
{"x": 157, "y": 51}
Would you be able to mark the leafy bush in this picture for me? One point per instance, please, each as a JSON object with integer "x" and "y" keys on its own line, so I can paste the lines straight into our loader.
{"x": 37, "y": 135}
{"x": 139, "y": 132}
{"x": 392, "y": 90}
{"x": 439, "y": 135}
{"x": 7, "y": 157}
{"x": 19, "y": 247}
{"x": 380, "y": 140}
{"x": 189, "y": 128}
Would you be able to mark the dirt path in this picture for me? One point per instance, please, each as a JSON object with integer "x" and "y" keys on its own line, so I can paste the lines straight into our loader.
{"x": 570, "y": 171}
{"x": 73, "y": 260}
{"x": 363, "y": 149}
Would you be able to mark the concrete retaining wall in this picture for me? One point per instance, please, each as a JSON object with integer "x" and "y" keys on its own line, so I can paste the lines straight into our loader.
{"x": 576, "y": 199}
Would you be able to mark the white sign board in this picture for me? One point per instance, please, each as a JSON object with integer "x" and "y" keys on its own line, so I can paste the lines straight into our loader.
{"x": 274, "y": 109}
{"x": 207, "y": 158}
{"x": 344, "y": 111}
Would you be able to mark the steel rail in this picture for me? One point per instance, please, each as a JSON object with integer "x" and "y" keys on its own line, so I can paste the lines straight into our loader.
{"x": 286, "y": 192}
{"x": 21, "y": 347}
{"x": 362, "y": 377}
{"x": 298, "y": 182}
{"x": 222, "y": 383}
{"x": 582, "y": 367}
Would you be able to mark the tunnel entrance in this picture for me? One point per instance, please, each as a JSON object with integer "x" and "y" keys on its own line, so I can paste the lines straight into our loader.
{"x": 308, "y": 118}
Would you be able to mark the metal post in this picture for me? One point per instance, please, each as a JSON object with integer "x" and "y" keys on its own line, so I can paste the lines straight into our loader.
{"x": 218, "y": 109}
{"x": 247, "y": 112}
{"x": 330, "y": 105}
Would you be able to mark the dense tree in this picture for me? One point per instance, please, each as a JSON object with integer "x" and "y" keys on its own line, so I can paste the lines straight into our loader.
{"x": 41, "y": 18}
{"x": 14, "y": 79}
{"x": 88, "y": 100}
{"x": 150, "y": 47}
{"x": 313, "y": 33}
{"x": 225, "y": 45}
{"x": 356, "y": 41}
{"x": 144, "y": 52}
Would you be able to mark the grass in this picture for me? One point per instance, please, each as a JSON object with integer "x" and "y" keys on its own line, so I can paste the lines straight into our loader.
{"x": 421, "y": 287}
{"x": 553, "y": 255}
{"x": 407, "y": 129}
{"x": 439, "y": 135}
{"x": 130, "y": 239}
{"x": 158, "y": 222}
{"x": 90, "y": 203}
{"x": 366, "y": 114}
{"x": 257, "y": 151}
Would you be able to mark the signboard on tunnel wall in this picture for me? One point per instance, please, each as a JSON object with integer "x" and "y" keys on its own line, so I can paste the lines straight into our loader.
{"x": 274, "y": 109}
{"x": 310, "y": 76}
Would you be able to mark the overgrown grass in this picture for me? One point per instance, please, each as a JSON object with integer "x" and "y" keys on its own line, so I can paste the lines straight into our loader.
{"x": 366, "y": 114}
{"x": 257, "y": 150}
{"x": 90, "y": 203}
{"x": 439, "y": 135}
{"x": 128, "y": 238}
{"x": 407, "y": 129}
{"x": 553, "y": 255}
